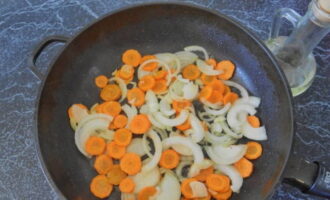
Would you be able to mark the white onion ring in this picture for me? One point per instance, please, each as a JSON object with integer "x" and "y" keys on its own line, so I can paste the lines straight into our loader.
{"x": 190, "y": 91}
{"x": 221, "y": 111}
{"x": 254, "y": 133}
{"x": 186, "y": 57}
{"x": 226, "y": 155}
{"x": 197, "y": 48}
{"x": 242, "y": 90}
{"x": 165, "y": 107}
{"x": 158, "y": 151}
{"x": 234, "y": 175}
{"x": 207, "y": 69}
{"x": 180, "y": 119}
{"x": 151, "y": 101}
{"x": 232, "y": 116}
{"x": 130, "y": 112}
{"x": 197, "y": 129}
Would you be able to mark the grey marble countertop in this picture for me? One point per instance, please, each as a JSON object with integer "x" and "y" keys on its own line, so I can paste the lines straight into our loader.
{"x": 24, "y": 23}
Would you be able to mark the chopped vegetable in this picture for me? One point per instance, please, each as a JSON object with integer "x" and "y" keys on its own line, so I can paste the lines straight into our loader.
{"x": 116, "y": 175}
{"x": 186, "y": 189}
{"x": 110, "y": 92}
{"x": 131, "y": 57}
{"x": 244, "y": 167}
{"x": 147, "y": 193}
{"x": 150, "y": 66}
{"x": 254, "y": 150}
{"x": 115, "y": 151}
{"x": 123, "y": 137}
{"x": 100, "y": 186}
{"x": 127, "y": 185}
{"x": 120, "y": 121}
{"x": 169, "y": 159}
{"x": 191, "y": 72}
{"x": 140, "y": 124}
{"x": 218, "y": 183}
{"x": 147, "y": 83}
{"x": 103, "y": 164}
{"x": 204, "y": 173}
{"x": 101, "y": 81}
{"x": 228, "y": 69}
{"x": 131, "y": 163}
{"x": 135, "y": 97}
{"x": 95, "y": 145}
{"x": 254, "y": 121}
{"x": 112, "y": 108}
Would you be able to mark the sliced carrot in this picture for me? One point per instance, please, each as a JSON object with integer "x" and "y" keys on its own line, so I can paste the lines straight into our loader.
{"x": 208, "y": 197}
{"x": 112, "y": 125}
{"x": 135, "y": 96}
{"x": 169, "y": 159}
{"x": 100, "y": 186}
{"x": 206, "y": 79}
{"x": 140, "y": 124}
{"x": 230, "y": 97}
{"x": 131, "y": 163}
{"x": 178, "y": 106}
{"x": 216, "y": 97}
{"x": 217, "y": 182}
{"x": 161, "y": 74}
{"x": 70, "y": 112}
{"x": 146, "y": 193}
{"x": 120, "y": 121}
{"x": 103, "y": 164}
{"x": 185, "y": 126}
{"x": 127, "y": 185}
{"x": 101, "y": 81}
{"x": 131, "y": 57}
{"x": 211, "y": 62}
{"x": 117, "y": 75}
{"x": 228, "y": 69}
{"x": 126, "y": 71}
{"x": 222, "y": 195}
{"x": 191, "y": 72}
{"x": 253, "y": 121}
{"x": 112, "y": 108}
{"x": 110, "y": 92}
{"x": 95, "y": 145}
{"x": 147, "y": 82}
{"x": 218, "y": 86}
{"x": 116, "y": 175}
{"x": 123, "y": 137}
{"x": 226, "y": 90}
{"x": 115, "y": 151}
{"x": 205, "y": 92}
{"x": 150, "y": 66}
{"x": 204, "y": 173}
{"x": 160, "y": 86}
{"x": 186, "y": 189}
{"x": 254, "y": 150}
{"x": 244, "y": 167}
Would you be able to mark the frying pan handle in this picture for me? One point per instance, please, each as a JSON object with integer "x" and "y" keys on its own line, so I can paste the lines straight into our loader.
{"x": 283, "y": 13}
{"x": 309, "y": 177}
{"x": 36, "y": 53}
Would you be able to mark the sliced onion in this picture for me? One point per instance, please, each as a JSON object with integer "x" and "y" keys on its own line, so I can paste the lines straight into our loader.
{"x": 227, "y": 130}
{"x": 179, "y": 168}
{"x": 165, "y": 108}
{"x": 254, "y": 133}
{"x": 216, "y": 127}
{"x": 198, "y": 189}
{"x": 78, "y": 112}
{"x": 197, "y": 48}
{"x": 196, "y": 167}
{"x": 136, "y": 146}
{"x": 130, "y": 112}
{"x": 158, "y": 151}
{"x": 234, "y": 175}
{"x": 146, "y": 178}
{"x": 197, "y": 129}
{"x": 183, "y": 80}
{"x": 222, "y": 140}
{"x": 183, "y": 150}
{"x": 211, "y": 105}
{"x": 171, "y": 60}
{"x": 180, "y": 119}
{"x": 232, "y": 116}
{"x": 207, "y": 69}
{"x": 169, "y": 187}
{"x": 144, "y": 109}
{"x": 122, "y": 86}
{"x": 195, "y": 148}
{"x": 186, "y": 57}
{"x": 176, "y": 90}
{"x": 154, "y": 121}
{"x": 92, "y": 110}
{"x": 190, "y": 91}
{"x": 251, "y": 100}
{"x": 146, "y": 146}
{"x": 151, "y": 101}
{"x": 226, "y": 155}
{"x": 221, "y": 111}
{"x": 87, "y": 127}
{"x": 106, "y": 134}
{"x": 242, "y": 90}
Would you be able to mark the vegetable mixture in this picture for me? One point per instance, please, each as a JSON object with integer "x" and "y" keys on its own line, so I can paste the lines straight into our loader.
{"x": 168, "y": 127}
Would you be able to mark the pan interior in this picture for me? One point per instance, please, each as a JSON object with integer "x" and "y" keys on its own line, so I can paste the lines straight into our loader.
{"x": 153, "y": 29}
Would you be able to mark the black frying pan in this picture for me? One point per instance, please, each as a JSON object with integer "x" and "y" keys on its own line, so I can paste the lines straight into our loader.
{"x": 164, "y": 28}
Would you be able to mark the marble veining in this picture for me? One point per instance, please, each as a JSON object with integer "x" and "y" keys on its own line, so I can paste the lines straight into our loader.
{"x": 23, "y": 25}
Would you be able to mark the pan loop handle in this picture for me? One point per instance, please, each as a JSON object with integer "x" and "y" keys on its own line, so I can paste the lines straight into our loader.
{"x": 36, "y": 53}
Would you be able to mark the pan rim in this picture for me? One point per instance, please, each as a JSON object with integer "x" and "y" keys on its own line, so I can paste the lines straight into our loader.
{"x": 280, "y": 73}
